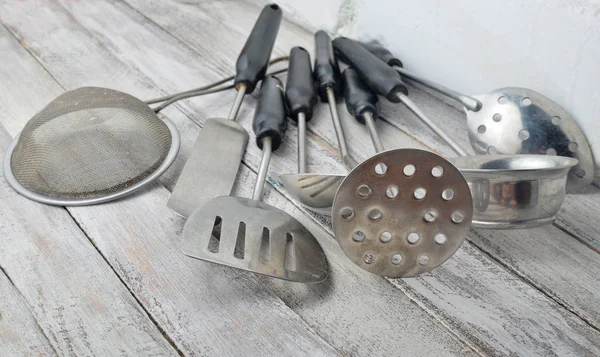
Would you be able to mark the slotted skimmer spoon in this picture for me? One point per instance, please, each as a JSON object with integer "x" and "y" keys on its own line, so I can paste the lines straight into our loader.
{"x": 509, "y": 191}
{"x": 515, "y": 120}
{"x": 213, "y": 163}
{"x": 401, "y": 212}
{"x": 315, "y": 190}
{"x": 248, "y": 234}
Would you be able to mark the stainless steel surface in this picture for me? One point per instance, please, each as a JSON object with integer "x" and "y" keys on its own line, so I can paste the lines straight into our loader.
{"x": 468, "y": 102}
{"x": 522, "y": 191}
{"x": 212, "y": 165}
{"x": 430, "y": 124}
{"x": 171, "y": 155}
{"x": 339, "y": 131}
{"x": 516, "y": 120}
{"x": 405, "y": 218}
{"x": 373, "y": 132}
{"x": 239, "y": 98}
{"x": 509, "y": 191}
{"x": 250, "y": 235}
{"x": 88, "y": 146}
{"x": 301, "y": 143}
{"x": 317, "y": 191}
{"x": 262, "y": 170}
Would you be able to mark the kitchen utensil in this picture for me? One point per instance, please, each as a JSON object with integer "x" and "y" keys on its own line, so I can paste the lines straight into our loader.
{"x": 509, "y": 191}
{"x": 515, "y": 120}
{"x": 248, "y": 234}
{"x": 401, "y": 212}
{"x": 316, "y": 190}
{"x": 88, "y": 146}
{"x": 212, "y": 166}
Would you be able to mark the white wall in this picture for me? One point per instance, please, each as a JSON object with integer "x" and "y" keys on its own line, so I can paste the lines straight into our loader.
{"x": 551, "y": 46}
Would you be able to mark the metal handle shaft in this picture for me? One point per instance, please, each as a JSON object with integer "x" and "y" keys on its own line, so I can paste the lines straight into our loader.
{"x": 468, "y": 102}
{"x": 425, "y": 119}
{"x": 301, "y": 143}
{"x": 241, "y": 92}
{"x": 339, "y": 131}
{"x": 259, "y": 186}
{"x": 368, "y": 116}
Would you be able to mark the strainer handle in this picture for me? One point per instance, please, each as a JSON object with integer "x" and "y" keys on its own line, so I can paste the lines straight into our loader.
{"x": 380, "y": 77}
{"x": 300, "y": 91}
{"x": 252, "y": 62}
{"x": 270, "y": 117}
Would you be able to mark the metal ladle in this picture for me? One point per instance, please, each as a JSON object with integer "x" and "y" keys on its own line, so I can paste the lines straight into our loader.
{"x": 509, "y": 191}
{"x": 514, "y": 120}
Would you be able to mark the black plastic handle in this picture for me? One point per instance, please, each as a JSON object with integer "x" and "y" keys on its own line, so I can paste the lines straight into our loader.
{"x": 382, "y": 53}
{"x": 380, "y": 77}
{"x": 269, "y": 117}
{"x": 327, "y": 71}
{"x": 300, "y": 91}
{"x": 252, "y": 62}
{"x": 359, "y": 98}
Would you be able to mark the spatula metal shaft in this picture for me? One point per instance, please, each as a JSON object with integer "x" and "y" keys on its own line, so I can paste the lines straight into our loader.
{"x": 339, "y": 130}
{"x": 241, "y": 92}
{"x": 301, "y": 143}
{"x": 263, "y": 169}
{"x": 431, "y": 125}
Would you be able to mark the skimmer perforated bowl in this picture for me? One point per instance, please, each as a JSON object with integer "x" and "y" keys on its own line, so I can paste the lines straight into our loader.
{"x": 88, "y": 146}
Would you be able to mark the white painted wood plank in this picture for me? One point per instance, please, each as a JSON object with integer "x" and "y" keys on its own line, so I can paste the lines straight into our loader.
{"x": 207, "y": 311}
{"x": 20, "y": 335}
{"x": 161, "y": 252}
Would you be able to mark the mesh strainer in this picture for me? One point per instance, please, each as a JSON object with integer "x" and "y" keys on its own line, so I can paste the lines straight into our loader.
{"x": 88, "y": 146}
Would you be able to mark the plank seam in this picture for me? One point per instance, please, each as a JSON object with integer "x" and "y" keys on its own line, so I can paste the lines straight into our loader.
{"x": 155, "y": 322}
{"x": 31, "y": 312}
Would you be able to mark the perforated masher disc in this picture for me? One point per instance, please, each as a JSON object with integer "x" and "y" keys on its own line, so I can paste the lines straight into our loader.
{"x": 402, "y": 212}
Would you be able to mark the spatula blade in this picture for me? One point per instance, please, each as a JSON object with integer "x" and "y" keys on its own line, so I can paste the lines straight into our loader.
{"x": 212, "y": 166}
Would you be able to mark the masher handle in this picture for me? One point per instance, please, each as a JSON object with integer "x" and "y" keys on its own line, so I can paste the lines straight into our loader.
{"x": 359, "y": 98}
{"x": 382, "y": 53}
{"x": 300, "y": 91}
{"x": 270, "y": 117}
{"x": 327, "y": 71}
{"x": 252, "y": 62}
{"x": 380, "y": 77}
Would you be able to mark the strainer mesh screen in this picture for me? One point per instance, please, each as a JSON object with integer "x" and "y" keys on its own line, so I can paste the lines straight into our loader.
{"x": 88, "y": 143}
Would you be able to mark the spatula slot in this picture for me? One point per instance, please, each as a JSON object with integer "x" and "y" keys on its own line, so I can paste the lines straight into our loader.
{"x": 290, "y": 253}
{"x": 265, "y": 246}
{"x": 240, "y": 243}
{"x": 215, "y": 236}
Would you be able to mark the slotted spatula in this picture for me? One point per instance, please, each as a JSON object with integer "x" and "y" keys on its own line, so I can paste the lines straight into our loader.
{"x": 250, "y": 235}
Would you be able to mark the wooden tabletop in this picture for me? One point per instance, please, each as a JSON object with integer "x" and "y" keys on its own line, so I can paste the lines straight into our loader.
{"x": 110, "y": 279}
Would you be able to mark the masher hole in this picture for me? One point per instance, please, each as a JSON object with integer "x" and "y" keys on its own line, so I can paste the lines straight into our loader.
{"x": 497, "y": 117}
{"x": 481, "y": 129}
{"x": 381, "y": 168}
{"x": 375, "y": 214}
{"x": 526, "y": 101}
{"x": 385, "y": 237}
{"x": 364, "y": 191}
{"x": 440, "y": 238}
{"x": 347, "y": 213}
{"x": 392, "y": 191}
{"x": 420, "y": 193}
{"x": 358, "y": 236}
{"x": 551, "y": 152}
{"x": 437, "y": 171}
{"x": 448, "y": 194}
{"x": 502, "y": 100}
{"x": 413, "y": 237}
{"x": 409, "y": 170}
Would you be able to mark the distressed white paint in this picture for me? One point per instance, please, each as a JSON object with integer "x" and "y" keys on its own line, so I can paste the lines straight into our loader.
{"x": 551, "y": 46}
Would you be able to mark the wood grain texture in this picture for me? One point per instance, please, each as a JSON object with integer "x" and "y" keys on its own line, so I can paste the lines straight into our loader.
{"x": 353, "y": 313}
{"x": 78, "y": 301}
{"x": 20, "y": 334}
{"x": 206, "y": 311}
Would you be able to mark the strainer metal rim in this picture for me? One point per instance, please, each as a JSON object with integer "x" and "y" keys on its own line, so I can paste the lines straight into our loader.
{"x": 169, "y": 159}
